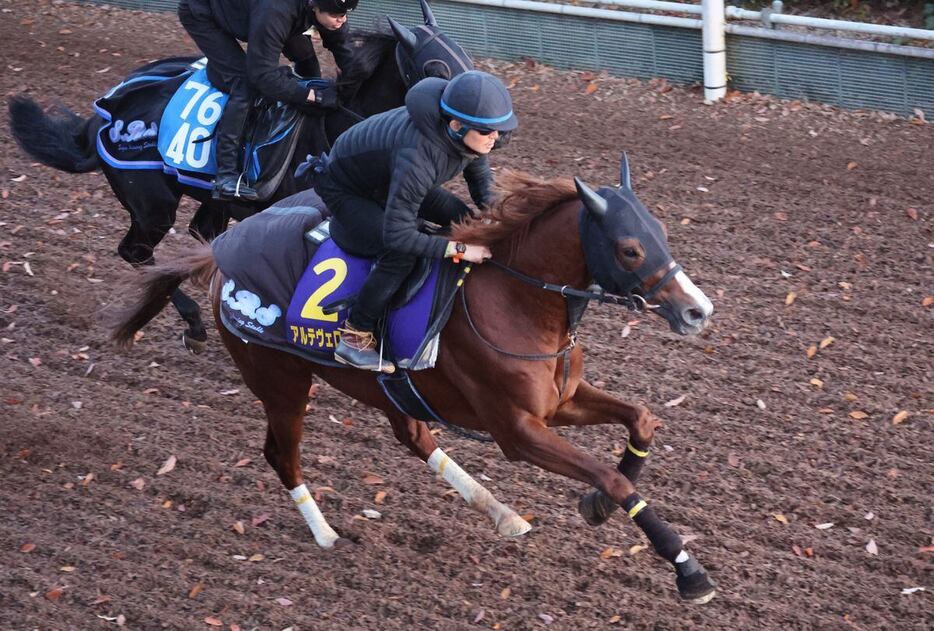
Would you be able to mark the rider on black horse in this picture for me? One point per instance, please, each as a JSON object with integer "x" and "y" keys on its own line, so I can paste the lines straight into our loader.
{"x": 272, "y": 27}
{"x": 386, "y": 172}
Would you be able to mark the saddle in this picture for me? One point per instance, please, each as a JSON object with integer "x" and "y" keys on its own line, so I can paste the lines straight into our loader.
{"x": 179, "y": 138}
{"x": 290, "y": 286}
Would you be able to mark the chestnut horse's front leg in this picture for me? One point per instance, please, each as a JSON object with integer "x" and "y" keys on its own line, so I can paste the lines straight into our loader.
{"x": 528, "y": 438}
{"x": 592, "y": 406}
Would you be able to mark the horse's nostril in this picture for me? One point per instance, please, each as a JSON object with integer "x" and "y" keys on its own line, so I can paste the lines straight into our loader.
{"x": 694, "y": 315}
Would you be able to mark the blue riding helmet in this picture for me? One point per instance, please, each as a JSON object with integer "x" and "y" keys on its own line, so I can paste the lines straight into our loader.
{"x": 479, "y": 101}
{"x": 334, "y": 7}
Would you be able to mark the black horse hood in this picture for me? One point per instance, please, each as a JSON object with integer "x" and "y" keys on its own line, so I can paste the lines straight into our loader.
{"x": 423, "y": 103}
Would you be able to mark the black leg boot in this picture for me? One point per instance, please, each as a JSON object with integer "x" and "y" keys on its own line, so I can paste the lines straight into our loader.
{"x": 228, "y": 134}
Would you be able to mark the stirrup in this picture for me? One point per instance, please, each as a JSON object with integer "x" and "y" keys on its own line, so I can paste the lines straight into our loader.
{"x": 361, "y": 353}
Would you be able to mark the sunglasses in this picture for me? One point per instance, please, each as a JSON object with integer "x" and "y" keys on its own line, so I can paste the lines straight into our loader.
{"x": 482, "y": 131}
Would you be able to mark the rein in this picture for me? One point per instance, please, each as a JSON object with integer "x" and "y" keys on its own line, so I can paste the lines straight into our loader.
{"x": 577, "y": 301}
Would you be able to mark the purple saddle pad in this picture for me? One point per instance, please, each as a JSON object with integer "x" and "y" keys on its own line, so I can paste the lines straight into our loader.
{"x": 333, "y": 275}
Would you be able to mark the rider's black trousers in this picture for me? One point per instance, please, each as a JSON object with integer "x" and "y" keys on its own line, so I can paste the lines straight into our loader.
{"x": 357, "y": 226}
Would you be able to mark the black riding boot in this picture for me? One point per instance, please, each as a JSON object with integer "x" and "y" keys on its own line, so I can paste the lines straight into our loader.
{"x": 228, "y": 134}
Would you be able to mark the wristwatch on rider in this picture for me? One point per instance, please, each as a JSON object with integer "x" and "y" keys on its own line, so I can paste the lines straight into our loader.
{"x": 456, "y": 250}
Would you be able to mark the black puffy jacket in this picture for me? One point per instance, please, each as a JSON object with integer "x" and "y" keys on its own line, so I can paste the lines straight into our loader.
{"x": 395, "y": 158}
{"x": 274, "y": 27}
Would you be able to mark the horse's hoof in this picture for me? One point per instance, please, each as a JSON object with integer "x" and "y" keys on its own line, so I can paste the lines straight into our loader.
{"x": 194, "y": 346}
{"x": 696, "y": 588}
{"x": 594, "y": 510}
{"x": 513, "y": 526}
{"x": 341, "y": 543}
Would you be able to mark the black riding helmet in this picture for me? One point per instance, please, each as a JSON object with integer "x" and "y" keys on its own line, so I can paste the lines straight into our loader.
{"x": 479, "y": 101}
{"x": 335, "y": 7}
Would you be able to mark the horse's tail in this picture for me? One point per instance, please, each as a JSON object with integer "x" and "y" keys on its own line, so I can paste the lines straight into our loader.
{"x": 152, "y": 288}
{"x": 59, "y": 138}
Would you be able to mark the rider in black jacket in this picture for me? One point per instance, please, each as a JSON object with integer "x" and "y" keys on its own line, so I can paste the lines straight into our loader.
{"x": 272, "y": 27}
{"x": 385, "y": 173}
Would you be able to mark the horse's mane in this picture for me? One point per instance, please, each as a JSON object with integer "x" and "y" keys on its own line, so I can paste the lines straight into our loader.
{"x": 524, "y": 199}
{"x": 370, "y": 48}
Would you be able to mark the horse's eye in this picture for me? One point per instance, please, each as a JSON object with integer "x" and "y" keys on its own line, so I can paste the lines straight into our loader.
{"x": 630, "y": 253}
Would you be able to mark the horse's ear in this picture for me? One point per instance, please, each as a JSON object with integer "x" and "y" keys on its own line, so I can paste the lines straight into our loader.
{"x": 593, "y": 202}
{"x": 404, "y": 35}
{"x": 625, "y": 179}
{"x": 428, "y": 15}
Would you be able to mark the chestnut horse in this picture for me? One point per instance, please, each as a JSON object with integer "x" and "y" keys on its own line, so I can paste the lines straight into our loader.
{"x": 508, "y": 363}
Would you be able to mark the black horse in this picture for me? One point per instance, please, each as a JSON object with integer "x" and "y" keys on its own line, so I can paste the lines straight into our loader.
{"x": 384, "y": 66}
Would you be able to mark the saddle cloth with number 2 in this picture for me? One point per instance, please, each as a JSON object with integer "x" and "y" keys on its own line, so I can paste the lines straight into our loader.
{"x": 278, "y": 283}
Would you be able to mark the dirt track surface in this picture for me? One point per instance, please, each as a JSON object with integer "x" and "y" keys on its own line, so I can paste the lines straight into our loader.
{"x": 762, "y": 198}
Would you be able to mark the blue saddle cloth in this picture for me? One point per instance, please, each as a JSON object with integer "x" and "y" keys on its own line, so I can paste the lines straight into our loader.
{"x": 163, "y": 117}
{"x": 278, "y": 283}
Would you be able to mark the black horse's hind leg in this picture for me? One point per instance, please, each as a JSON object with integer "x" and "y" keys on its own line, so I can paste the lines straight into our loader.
{"x": 152, "y": 203}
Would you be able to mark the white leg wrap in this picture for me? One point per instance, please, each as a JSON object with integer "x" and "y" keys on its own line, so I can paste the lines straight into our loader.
{"x": 507, "y": 522}
{"x": 324, "y": 534}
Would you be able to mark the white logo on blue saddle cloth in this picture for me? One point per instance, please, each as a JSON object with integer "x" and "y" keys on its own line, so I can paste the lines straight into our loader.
{"x": 188, "y": 119}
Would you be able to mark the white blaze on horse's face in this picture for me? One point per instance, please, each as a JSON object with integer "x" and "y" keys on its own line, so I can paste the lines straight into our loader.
{"x": 684, "y": 305}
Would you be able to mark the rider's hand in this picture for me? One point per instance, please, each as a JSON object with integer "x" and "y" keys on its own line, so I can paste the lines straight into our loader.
{"x": 476, "y": 253}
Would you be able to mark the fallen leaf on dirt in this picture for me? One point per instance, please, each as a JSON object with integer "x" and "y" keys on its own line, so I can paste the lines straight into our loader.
{"x": 872, "y": 548}
{"x": 68, "y": 568}
{"x": 812, "y": 351}
{"x": 760, "y": 404}
{"x": 796, "y": 550}
{"x": 591, "y": 88}
{"x": 372, "y": 478}
{"x": 790, "y": 298}
{"x": 259, "y": 519}
{"x": 167, "y": 466}
{"x": 256, "y": 557}
{"x": 780, "y": 517}
{"x": 481, "y": 614}
{"x": 285, "y": 602}
{"x": 610, "y": 552}
{"x": 546, "y": 618}
{"x": 827, "y": 341}
{"x": 665, "y": 117}
{"x": 614, "y": 619}
{"x": 138, "y": 484}
{"x": 380, "y": 497}
{"x": 780, "y": 216}
{"x": 35, "y": 361}
{"x": 912, "y": 213}
{"x": 369, "y": 513}
{"x": 27, "y": 547}
{"x": 869, "y": 516}
{"x": 167, "y": 504}
{"x": 235, "y": 627}
{"x": 925, "y": 549}
{"x": 851, "y": 165}
{"x": 685, "y": 221}
{"x": 817, "y": 383}
{"x": 900, "y": 417}
{"x": 214, "y": 622}
{"x": 927, "y": 301}
{"x": 809, "y": 552}
{"x": 197, "y": 589}
{"x": 229, "y": 393}
{"x": 238, "y": 527}
{"x": 733, "y": 460}
{"x": 858, "y": 415}
{"x": 911, "y": 590}
{"x": 825, "y": 410}
{"x": 505, "y": 593}
{"x": 18, "y": 178}
{"x": 54, "y": 594}
{"x": 101, "y": 600}
{"x": 849, "y": 396}
{"x": 244, "y": 462}
{"x": 636, "y": 549}
{"x": 529, "y": 517}
{"x": 677, "y": 401}
{"x": 826, "y": 526}
{"x": 87, "y": 479}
